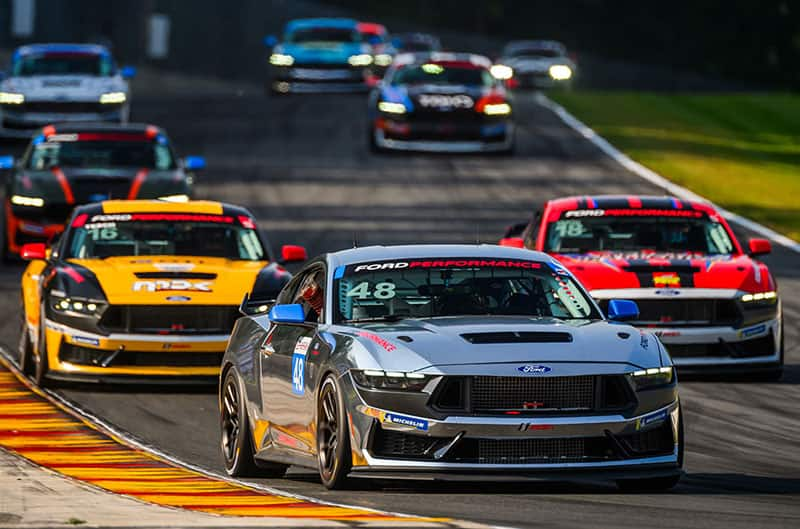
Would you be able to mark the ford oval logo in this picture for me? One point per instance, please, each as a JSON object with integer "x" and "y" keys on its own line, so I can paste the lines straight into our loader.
{"x": 530, "y": 369}
{"x": 179, "y": 298}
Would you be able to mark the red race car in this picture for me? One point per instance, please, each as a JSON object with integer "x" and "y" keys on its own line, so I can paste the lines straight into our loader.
{"x": 713, "y": 304}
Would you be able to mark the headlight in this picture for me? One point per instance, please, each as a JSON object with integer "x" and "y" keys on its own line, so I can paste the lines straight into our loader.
{"x": 279, "y": 59}
{"x": 653, "y": 377}
{"x": 175, "y": 198}
{"x": 390, "y": 380}
{"x": 11, "y": 98}
{"x": 362, "y": 59}
{"x": 560, "y": 72}
{"x": 501, "y": 72}
{"x": 76, "y": 306}
{"x": 763, "y": 297}
{"x": 112, "y": 98}
{"x": 21, "y": 200}
{"x": 497, "y": 109}
{"x": 383, "y": 59}
{"x": 392, "y": 108}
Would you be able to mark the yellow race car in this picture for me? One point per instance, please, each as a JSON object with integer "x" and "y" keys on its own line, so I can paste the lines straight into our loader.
{"x": 138, "y": 290}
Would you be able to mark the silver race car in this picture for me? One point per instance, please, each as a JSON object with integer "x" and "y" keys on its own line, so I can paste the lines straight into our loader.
{"x": 448, "y": 362}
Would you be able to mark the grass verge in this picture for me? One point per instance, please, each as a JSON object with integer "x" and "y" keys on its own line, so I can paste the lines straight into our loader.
{"x": 742, "y": 151}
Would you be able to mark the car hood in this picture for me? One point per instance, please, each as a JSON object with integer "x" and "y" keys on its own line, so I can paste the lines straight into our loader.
{"x": 93, "y": 185}
{"x": 157, "y": 280}
{"x": 64, "y": 87}
{"x": 413, "y": 96}
{"x": 469, "y": 342}
{"x": 624, "y": 270}
{"x": 322, "y": 53}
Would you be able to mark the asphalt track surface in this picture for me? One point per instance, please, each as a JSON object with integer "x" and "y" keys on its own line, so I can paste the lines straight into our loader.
{"x": 301, "y": 164}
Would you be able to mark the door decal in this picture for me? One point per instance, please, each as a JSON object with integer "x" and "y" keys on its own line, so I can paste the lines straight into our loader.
{"x": 299, "y": 365}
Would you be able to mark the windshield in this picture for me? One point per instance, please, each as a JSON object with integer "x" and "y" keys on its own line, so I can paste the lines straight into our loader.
{"x": 439, "y": 74}
{"x": 63, "y": 64}
{"x": 101, "y": 154}
{"x": 306, "y": 35}
{"x": 537, "y": 53}
{"x": 684, "y": 231}
{"x": 433, "y": 287}
{"x": 139, "y": 234}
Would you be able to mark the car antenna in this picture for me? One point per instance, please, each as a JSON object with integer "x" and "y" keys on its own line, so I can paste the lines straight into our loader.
{"x": 477, "y": 234}
{"x": 355, "y": 239}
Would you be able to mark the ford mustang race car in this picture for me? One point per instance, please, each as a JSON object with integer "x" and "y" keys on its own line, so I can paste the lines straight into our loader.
{"x": 319, "y": 55}
{"x": 381, "y": 48}
{"x": 50, "y": 83}
{"x": 442, "y": 102}
{"x": 444, "y": 361}
{"x": 69, "y": 165}
{"x": 143, "y": 289}
{"x": 538, "y": 64}
{"x": 714, "y": 306}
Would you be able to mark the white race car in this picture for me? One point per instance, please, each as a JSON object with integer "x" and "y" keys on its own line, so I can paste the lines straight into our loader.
{"x": 50, "y": 83}
{"x": 538, "y": 64}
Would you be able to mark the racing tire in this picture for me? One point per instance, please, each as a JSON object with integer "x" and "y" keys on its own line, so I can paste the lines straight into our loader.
{"x": 236, "y": 440}
{"x": 333, "y": 437}
{"x": 374, "y": 148}
{"x": 41, "y": 366}
{"x": 26, "y": 362}
{"x": 5, "y": 254}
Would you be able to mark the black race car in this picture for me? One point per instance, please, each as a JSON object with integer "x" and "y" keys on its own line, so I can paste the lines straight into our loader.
{"x": 68, "y": 165}
{"x": 441, "y": 102}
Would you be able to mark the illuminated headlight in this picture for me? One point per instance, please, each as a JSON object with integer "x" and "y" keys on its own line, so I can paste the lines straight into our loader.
{"x": 392, "y": 108}
{"x": 279, "y": 59}
{"x": 175, "y": 198}
{"x": 653, "y": 377}
{"x": 501, "y": 72}
{"x": 390, "y": 380}
{"x": 560, "y": 72}
{"x": 20, "y": 200}
{"x": 76, "y": 307}
{"x": 11, "y": 98}
{"x": 497, "y": 109}
{"x": 383, "y": 59}
{"x": 361, "y": 59}
{"x": 760, "y": 296}
{"x": 111, "y": 98}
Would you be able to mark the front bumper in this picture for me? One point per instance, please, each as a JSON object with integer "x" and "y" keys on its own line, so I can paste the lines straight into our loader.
{"x": 20, "y": 123}
{"x": 502, "y": 142}
{"x": 74, "y": 353}
{"x": 319, "y": 79}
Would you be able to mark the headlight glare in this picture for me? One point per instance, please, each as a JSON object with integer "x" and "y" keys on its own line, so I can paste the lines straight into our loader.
{"x": 383, "y": 59}
{"x": 560, "y": 72}
{"x": 76, "y": 306}
{"x": 760, "y": 296}
{"x": 280, "y": 59}
{"x": 390, "y": 380}
{"x": 501, "y": 72}
{"x": 497, "y": 109}
{"x": 111, "y": 98}
{"x": 21, "y": 200}
{"x": 392, "y": 108}
{"x": 362, "y": 59}
{"x": 653, "y": 377}
{"x": 11, "y": 98}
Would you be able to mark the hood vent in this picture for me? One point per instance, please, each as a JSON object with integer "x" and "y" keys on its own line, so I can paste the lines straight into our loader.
{"x": 517, "y": 337}
{"x": 175, "y": 275}
{"x": 648, "y": 268}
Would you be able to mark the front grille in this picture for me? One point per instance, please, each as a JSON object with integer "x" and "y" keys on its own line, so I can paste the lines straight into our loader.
{"x": 493, "y": 394}
{"x": 685, "y": 312}
{"x": 165, "y": 319}
{"x": 532, "y": 451}
{"x": 64, "y": 107}
{"x": 88, "y": 189}
{"x": 76, "y": 354}
{"x": 764, "y": 346}
{"x": 399, "y": 445}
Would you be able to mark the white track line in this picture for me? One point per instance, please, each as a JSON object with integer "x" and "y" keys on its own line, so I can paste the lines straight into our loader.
{"x": 655, "y": 178}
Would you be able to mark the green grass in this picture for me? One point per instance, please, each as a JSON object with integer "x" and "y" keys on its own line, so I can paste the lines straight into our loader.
{"x": 742, "y": 151}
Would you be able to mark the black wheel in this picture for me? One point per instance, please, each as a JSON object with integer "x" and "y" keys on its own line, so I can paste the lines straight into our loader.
{"x": 5, "y": 253}
{"x": 237, "y": 441}
{"x": 333, "y": 437}
{"x": 372, "y": 142}
{"x": 26, "y": 363}
{"x": 40, "y": 363}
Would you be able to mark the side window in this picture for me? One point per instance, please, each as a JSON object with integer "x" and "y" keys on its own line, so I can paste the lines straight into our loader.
{"x": 287, "y": 294}
{"x": 311, "y": 294}
{"x": 533, "y": 231}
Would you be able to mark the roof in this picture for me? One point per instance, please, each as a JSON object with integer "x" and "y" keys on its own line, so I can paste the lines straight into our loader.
{"x": 92, "y": 49}
{"x": 380, "y": 253}
{"x": 131, "y": 128}
{"x": 628, "y": 202}
{"x": 442, "y": 57}
{"x": 542, "y": 44}
{"x": 205, "y": 207}
{"x": 344, "y": 23}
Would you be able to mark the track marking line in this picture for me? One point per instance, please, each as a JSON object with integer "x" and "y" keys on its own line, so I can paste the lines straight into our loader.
{"x": 654, "y": 178}
{"x": 43, "y": 428}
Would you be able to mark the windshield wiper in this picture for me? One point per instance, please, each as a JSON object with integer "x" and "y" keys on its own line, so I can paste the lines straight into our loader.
{"x": 386, "y": 317}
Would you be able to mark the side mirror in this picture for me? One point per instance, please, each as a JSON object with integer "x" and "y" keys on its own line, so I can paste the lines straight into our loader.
{"x": 34, "y": 251}
{"x": 759, "y": 247}
{"x": 194, "y": 163}
{"x": 292, "y": 313}
{"x": 128, "y": 72}
{"x": 270, "y": 41}
{"x": 622, "y": 310}
{"x": 512, "y": 242}
{"x": 293, "y": 254}
{"x": 6, "y": 162}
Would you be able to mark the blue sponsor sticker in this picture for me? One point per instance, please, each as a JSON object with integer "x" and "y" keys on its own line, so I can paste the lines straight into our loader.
{"x": 405, "y": 420}
{"x": 534, "y": 369}
{"x": 649, "y": 420}
{"x": 752, "y": 331}
{"x": 86, "y": 340}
